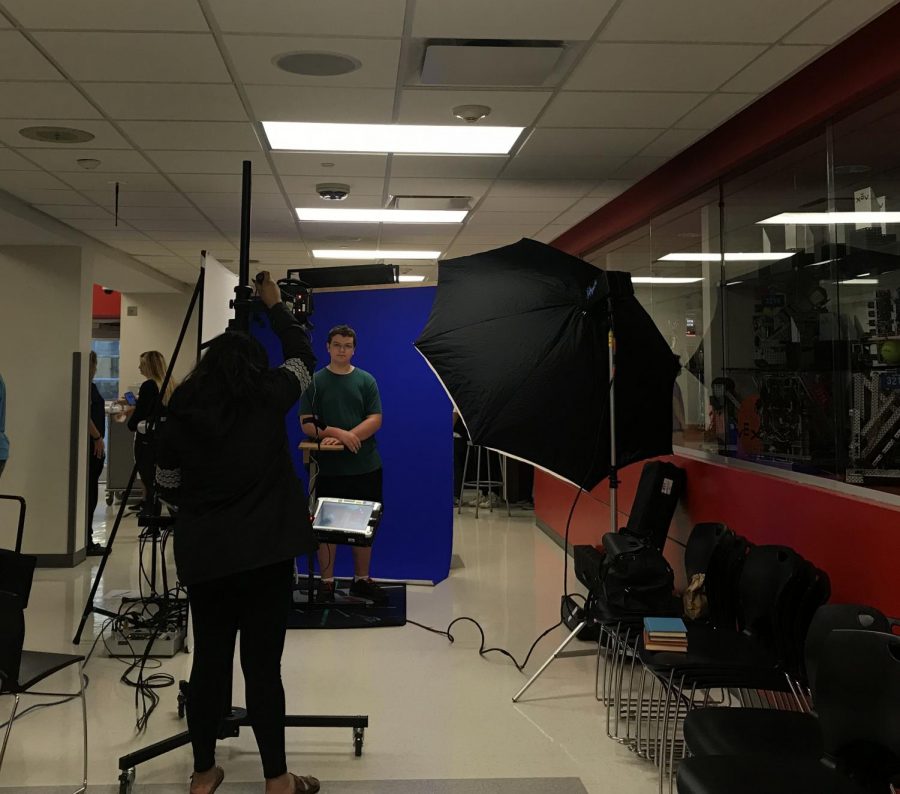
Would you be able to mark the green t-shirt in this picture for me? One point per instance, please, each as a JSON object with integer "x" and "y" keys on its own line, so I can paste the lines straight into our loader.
{"x": 344, "y": 401}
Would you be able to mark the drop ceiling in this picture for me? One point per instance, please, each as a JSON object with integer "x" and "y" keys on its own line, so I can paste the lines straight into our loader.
{"x": 174, "y": 92}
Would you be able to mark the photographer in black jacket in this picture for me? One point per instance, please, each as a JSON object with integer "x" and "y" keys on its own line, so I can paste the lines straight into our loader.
{"x": 223, "y": 459}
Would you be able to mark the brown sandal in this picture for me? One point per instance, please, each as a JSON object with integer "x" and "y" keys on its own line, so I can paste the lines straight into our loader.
{"x": 305, "y": 784}
{"x": 220, "y": 776}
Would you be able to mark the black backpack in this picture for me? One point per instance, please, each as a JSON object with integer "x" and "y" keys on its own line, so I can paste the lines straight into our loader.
{"x": 637, "y": 580}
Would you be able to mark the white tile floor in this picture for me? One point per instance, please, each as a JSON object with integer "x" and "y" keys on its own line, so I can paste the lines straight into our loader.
{"x": 436, "y": 710}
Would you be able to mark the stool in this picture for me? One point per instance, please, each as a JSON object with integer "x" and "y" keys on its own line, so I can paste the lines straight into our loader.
{"x": 478, "y": 482}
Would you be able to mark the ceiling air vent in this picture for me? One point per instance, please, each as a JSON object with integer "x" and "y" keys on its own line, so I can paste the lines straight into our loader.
{"x": 431, "y": 202}
{"x": 489, "y": 62}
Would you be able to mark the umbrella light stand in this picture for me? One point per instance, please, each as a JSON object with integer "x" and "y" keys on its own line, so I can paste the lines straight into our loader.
{"x": 561, "y": 652}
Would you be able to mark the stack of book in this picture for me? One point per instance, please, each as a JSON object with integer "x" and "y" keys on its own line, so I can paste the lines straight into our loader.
{"x": 665, "y": 634}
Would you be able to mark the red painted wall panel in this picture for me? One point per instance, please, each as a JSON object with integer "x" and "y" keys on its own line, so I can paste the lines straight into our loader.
{"x": 106, "y": 307}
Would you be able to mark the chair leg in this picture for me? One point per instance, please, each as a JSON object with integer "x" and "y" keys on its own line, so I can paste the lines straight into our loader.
{"x": 490, "y": 479}
{"x": 503, "y": 461}
{"x": 477, "y": 479}
{"x": 462, "y": 485}
{"x": 84, "y": 730}
{"x": 9, "y": 725}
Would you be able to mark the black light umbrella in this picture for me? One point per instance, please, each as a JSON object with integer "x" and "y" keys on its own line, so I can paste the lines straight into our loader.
{"x": 519, "y": 338}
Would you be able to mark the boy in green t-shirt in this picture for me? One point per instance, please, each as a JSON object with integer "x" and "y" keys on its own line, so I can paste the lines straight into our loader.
{"x": 345, "y": 400}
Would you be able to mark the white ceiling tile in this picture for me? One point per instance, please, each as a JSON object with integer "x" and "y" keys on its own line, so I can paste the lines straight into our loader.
{"x": 95, "y": 180}
{"x": 108, "y": 14}
{"x": 117, "y": 236}
{"x": 671, "y": 142}
{"x": 10, "y": 161}
{"x": 612, "y": 187}
{"x": 156, "y": 261}
{"x": 587, "y": 142}
{"x": 354, "y": 201}
{"x": 565, "y": 167}
{"x": 44, "y": 101}
{"x": 660, "y": 67}
{"x": 143, "y": 248}
{"x": 199, "y": 135}
{"x": 342, "y": 165}
{"x": 105, "y": 135}
{"x": 441, "y": 238}
{"x": 549, "y": 233}
{"x": 253, "y": 57}
{"x": 706, "y": 20}
{"x": 524, "y": 19}
{"x": 294, "y": 247}
{"x": 581, "y": 210}
{"x": 408, "y": 165}
{"x": 233, "y": 200}
{"x": 211, "y": 162}
{"x": 837, "y": 19}
{"x": 188, "y": 240}
{"x": 223, "y": 183}
{"x": 112, "y": 161}
{"x": 147, "y": 57}
{"x": 639, "y": 167}
{"x": 311, "y": 17}
{"x": 97, "y": 224}
{"x": 306, "y": 185}
{"x": 76, "y": 212}
{"x": 404, "y": 186}
{"x": 227, "y": 215}
{"x": 525, "y": 203}
{"x": 474, "y": 247}
{"x": 134, "y": 213}
{"x": 542, "y": 187}
{"x": 168, "y": 101}
{"x": 171, "y": 225}
{"x": 350, "y": 233}
{"x": 134, "y": 198}
{"x": 508, "y": 108}
{"x": 710, "y": 113}
{"x": 618, "y": 109}
{"x": 530, "y": 220}
{"x": 27, "y": 180}
{"x": 321, "y": 103}
{"x": 20, "y": 60}
{"x": 43, "y": 196}
{"x": 773, "y": 67}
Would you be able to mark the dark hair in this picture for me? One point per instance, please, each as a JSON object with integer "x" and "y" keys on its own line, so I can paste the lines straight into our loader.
{"x": 342, "y": 330}
{"x": 229, "y": 371}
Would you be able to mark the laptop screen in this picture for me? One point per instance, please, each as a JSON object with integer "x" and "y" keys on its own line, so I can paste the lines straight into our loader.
{"x": 344, "y": 515}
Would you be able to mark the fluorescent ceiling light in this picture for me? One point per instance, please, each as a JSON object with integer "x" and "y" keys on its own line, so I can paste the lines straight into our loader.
{"x": 827, "y": 218}
{"x": 403, "y": 279}
{"x": 729, "y": 257}
{"x": 664, "y": 280}
{"x": 341, "y": 215}
{"x": 859, "y": 281}
{"x": 298, "y": 136}
{"x": 371, "y": 253}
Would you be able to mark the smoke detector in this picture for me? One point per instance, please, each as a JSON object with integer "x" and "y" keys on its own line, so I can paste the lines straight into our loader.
{"x": 332, "y": 191}
{"x": 88, "y": 163}
{"x": 471, "y": 113}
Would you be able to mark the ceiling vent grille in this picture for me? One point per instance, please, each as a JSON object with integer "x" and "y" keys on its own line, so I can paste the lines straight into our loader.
{"x": 490, "y": 62}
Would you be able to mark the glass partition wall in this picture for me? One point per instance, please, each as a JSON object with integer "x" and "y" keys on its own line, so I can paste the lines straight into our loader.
{"x": 779, "y": 290}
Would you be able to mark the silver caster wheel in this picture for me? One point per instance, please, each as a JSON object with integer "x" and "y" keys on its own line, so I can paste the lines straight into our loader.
{"x": 126, "y": 781}
{"x": 358, "y": 734}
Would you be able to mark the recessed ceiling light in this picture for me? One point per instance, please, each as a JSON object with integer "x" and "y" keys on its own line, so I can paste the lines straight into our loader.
{"x": 371, "y": 253}
{"x": 729, "y": 257}
{"x": 852, "y": 169}
{"x": 300, "y": 136}
{"x": 827, "y": 218}
{"x": 410, "y": 279}
{"x": 316, "y": 64}
{"x": 663, "y": 280}
{"x": 341, "y": 215}
{"x": 56, "y": 134}
{"x": 861, "y": 281}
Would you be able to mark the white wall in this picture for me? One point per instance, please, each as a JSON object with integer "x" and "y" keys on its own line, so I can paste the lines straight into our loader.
{"x": 218, "y": 290}
{"x": 155, "y": 326}
{"x": 45, "y": 317}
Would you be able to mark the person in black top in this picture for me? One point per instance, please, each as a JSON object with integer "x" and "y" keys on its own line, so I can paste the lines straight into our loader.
{"x": 153, "y": 367}
{"x": 96, "y": 455}
{"x": 223, "y": 459}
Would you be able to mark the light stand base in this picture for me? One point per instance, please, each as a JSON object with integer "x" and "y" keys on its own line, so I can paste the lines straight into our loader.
{"x": 559, "y": 653}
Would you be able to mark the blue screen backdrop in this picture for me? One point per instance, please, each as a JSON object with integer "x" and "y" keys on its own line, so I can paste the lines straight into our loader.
{"x": 414, "y": 542}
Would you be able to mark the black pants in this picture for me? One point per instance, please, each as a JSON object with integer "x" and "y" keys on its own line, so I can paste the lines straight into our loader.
{"x": 256, "y": 603}
{"x": 95, "y": 469}
{"x": 145, "y": 457}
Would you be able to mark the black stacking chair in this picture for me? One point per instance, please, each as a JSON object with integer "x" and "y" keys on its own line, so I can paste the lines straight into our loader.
{"x": 21, "y": 670}
{"x": 857, "y": 691}
{"x": 767, "y": 731}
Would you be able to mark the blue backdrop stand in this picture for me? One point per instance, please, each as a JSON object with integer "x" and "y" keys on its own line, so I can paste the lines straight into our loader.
{"x": 414, "y": 542}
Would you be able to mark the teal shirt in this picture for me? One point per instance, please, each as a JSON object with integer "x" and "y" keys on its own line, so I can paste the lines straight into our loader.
{"x": 344, "y": 401}
{"x": 4, "y": 441}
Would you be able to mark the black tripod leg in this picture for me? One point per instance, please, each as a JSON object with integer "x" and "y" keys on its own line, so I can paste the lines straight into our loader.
{"x": 89, "y": 605}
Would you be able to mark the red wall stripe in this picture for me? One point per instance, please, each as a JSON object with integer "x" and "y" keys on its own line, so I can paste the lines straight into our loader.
{"x": 106, "y": 307}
